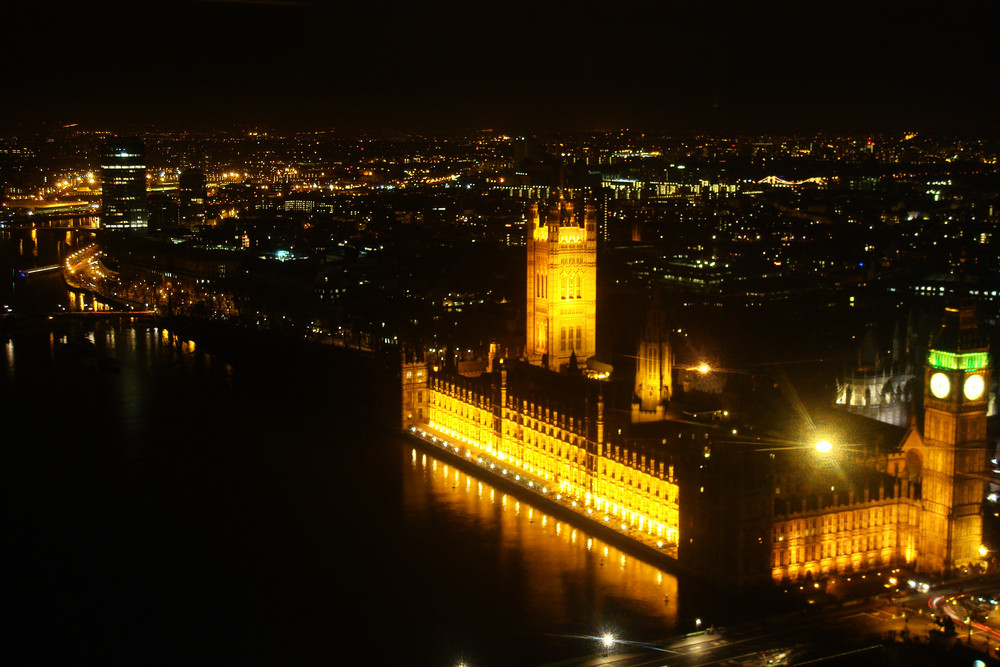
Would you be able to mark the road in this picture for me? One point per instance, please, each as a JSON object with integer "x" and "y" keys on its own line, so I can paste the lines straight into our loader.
{"x": 852, "y": 635}
{"x": 788, "y": 640}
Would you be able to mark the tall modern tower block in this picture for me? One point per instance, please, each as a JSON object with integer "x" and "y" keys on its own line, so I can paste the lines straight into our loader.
{"x": 123, "y": 185}
{"x": 193, "y": 196}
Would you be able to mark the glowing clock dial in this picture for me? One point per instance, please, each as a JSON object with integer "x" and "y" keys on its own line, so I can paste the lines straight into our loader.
{"x": 940, "y": 385}
{"x": 974, "y": 387}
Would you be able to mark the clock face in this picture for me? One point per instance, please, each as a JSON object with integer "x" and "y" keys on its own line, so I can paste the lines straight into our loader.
{"x": 974, "y": 387}
{"x": 940, "y": 385}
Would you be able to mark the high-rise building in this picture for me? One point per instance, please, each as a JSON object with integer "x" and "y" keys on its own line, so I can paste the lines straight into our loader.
{"x": 123, "y": 185}
{"x": 163, "y": 211}
{"x": 562, "y": 285}
{"x": 954, "y": 467}
{"x": 193, "y": 196}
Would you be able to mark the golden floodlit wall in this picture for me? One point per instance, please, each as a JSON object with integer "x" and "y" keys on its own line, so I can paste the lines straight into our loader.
{"x": 627, "y": 484}
{"x": 610, "y": 482}
{"x": 850, "y": 537}
{"x": 629, "y": 489}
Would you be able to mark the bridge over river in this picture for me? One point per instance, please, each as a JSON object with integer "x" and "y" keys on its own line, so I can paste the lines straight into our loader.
{"x": 55, "y": 220}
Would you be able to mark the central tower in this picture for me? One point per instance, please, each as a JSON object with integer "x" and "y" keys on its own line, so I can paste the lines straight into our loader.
{"x": 954, "y": 472}
{"x": 562, "y": 284}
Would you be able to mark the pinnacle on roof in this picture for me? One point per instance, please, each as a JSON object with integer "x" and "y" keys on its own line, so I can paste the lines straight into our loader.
{"x": 959, "y": 329}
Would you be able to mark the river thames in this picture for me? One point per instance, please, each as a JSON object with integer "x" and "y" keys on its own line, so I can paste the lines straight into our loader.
{"x": 177, "y": 506}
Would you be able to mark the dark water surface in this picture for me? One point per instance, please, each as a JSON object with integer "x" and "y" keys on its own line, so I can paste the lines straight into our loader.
{"x": 182, "y": 509}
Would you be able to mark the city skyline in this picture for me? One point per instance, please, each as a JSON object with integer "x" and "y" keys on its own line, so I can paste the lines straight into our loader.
{"x": 766, "y": 293}
{"x": 450, "y": 67}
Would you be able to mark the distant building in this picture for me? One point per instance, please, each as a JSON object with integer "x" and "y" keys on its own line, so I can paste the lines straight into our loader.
{"x": 163, "y": 211}
{"x": 882, "y": 385}
{"x": 526, "y": 149}
{"x": 185, "y": 267}
{"x": 123, "y": 185}
{"x": 193, "y": 196}
{"x": 653, "y": 369}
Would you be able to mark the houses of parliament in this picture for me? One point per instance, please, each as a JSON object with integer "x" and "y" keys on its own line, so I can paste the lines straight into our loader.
{"x": 711, "y": 493}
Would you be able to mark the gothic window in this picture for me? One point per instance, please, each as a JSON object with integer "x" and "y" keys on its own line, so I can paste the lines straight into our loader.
{"x": 579, "y": 337}
{"x": 578, "y": 281}
{"x": 562, "y": 339}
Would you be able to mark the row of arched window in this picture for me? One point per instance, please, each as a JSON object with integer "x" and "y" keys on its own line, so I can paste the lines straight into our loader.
{"x": 570, "y": 339}
{"x": 571, "y": 286}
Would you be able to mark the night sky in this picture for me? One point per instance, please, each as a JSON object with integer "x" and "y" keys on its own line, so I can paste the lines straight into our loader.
{"x": 449, "y": 66}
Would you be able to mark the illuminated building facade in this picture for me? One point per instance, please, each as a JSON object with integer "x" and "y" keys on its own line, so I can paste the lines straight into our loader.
{"x": 846, "y": 530}
{"x": 550, "y": 428}
{"x": 690, "y": 491}
{"x": 704, "y": 493}
{"x": 561, "y": 284}
{"x": 922, "y": 510}
{"x": 123, "y": 185}
{"x": 416, "y": 396}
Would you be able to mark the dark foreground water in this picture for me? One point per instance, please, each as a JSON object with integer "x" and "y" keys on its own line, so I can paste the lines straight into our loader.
{"x": 181, "y": 509}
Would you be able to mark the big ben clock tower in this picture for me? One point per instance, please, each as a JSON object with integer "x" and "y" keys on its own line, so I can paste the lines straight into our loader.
{"x": 954, "y": 472}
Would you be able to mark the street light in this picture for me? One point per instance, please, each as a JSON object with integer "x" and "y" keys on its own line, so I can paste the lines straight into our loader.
{"x": 824, "y": 446}
{"x": 607, "y": 641}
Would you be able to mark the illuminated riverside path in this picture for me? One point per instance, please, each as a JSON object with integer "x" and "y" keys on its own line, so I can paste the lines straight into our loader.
{"x": 38, "y": 253}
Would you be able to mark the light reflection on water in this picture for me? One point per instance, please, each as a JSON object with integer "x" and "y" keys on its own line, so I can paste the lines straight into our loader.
{"x": 9, "y": 357}
{"x": 84, "y": 302}
{"x": 33, "y": 248}
{"x": 561, "y": 565}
